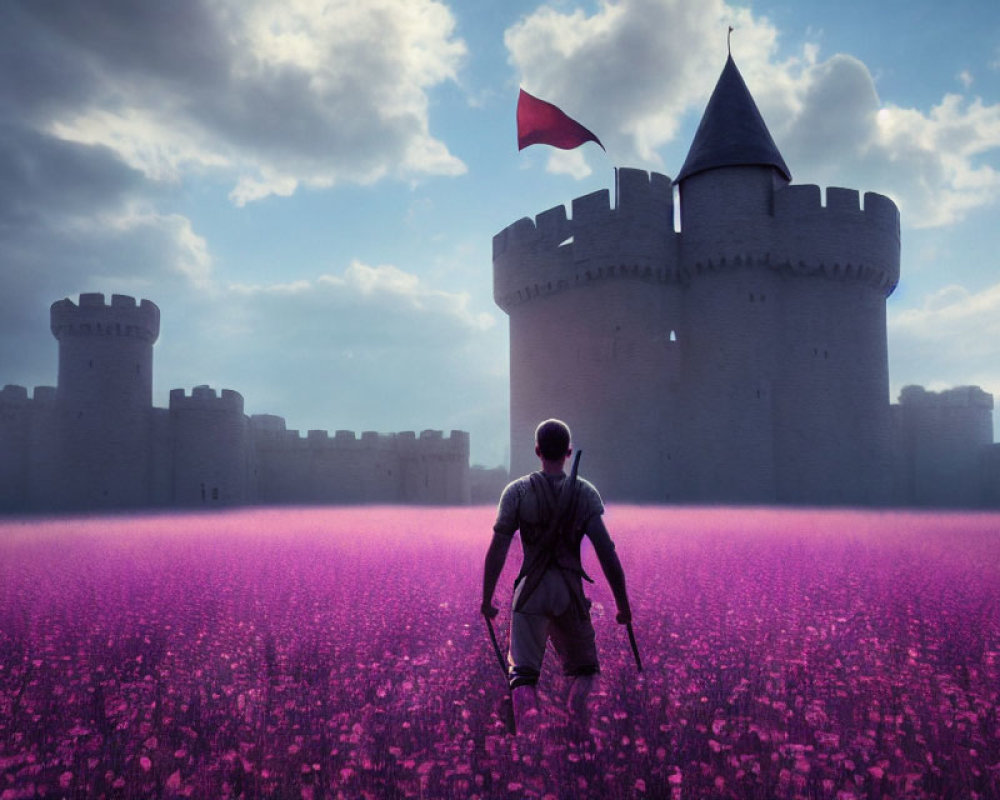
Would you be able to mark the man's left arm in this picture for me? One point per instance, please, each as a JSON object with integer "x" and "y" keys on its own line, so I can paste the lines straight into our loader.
{"x": 611, "y": 566}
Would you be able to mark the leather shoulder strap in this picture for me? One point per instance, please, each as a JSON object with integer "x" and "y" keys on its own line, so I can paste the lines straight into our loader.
{"x": 546, "y": 498}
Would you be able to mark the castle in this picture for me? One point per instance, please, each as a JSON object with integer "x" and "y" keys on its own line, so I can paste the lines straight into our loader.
{"x": 741, "y": 358}
{"x": 95, "y": 442}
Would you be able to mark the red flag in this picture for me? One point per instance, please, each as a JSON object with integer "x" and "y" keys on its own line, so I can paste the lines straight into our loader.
{"x": 539, "y": 122}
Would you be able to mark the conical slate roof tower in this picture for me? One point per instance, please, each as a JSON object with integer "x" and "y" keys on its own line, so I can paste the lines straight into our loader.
{"x": 732, "y": 132}
{"x": 737, "y": 357}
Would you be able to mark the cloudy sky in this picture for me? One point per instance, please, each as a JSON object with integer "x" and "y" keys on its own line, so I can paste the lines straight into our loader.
{"x": 308, "y": 189}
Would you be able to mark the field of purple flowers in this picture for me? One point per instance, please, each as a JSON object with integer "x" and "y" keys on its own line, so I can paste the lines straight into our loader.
{"x": 339, "y": 654}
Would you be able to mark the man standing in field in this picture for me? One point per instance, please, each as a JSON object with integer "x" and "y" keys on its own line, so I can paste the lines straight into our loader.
{"x": 553, "y": 512}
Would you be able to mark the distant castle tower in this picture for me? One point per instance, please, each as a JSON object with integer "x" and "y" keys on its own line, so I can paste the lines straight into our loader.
{"x": 104, "y": 400}
{"x": 742, "y": 359}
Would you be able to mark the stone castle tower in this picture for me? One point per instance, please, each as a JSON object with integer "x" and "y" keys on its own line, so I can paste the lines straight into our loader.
{"x": 104, "y": 400}
{"x": 739, "y": 359}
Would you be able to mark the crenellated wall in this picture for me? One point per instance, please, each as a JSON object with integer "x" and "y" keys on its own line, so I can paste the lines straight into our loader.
{"x": 212, "y": 456}
{"x": 777, "y": 226}
{"x": 554, "y": 252}
{"x": 372, "y": 468}
{"x": 15, "y": 444}
{"x": 434, "y": 467}
{"x": 944, "y": 447}
{"x": 96, "y": 441}
{"x": 29, "y": 460}
{"x": 841, "y": 240}
{"x": 741, "y": 359}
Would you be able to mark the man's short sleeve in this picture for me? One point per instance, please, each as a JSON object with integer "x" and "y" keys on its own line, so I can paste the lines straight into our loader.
{"x": 590, "y": 504}
{"x": 508, "y": 516}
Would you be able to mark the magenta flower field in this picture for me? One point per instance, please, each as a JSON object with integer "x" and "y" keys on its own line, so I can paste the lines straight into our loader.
{"x": 338, "y": 653}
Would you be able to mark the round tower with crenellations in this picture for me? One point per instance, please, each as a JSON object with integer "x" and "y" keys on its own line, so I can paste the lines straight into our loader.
{"x": 104, "y": 400}
{"x": 595, "y": 310}
{"x": 741, "y": 359}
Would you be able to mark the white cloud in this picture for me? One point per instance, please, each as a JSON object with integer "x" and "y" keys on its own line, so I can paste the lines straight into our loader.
{"x": 173, "y": 232}
{"x": 158, "y": 146}
{"x": 953, "y": 338}
{"x": 265, "y": 184}
{"x": 113, "y": 111}
{"x": 633, "y": 70}
{"x": 934, "y": 164}
{"x": 370, "y": 347}
{"x": 568, "y": 162}
{"x": 408, "y": 309}
{"x": 290, "y": 94}
{"x": 83, "y": 231}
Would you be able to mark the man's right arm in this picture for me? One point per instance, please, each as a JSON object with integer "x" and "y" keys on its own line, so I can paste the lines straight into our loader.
{"x": 503, "y": 533}
{"x": 496, "y": 556}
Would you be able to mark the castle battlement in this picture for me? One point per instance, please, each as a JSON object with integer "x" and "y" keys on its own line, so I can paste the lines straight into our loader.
{"x": 802, "y": 201}
{"x": 14, "y": 395}
{"x": 204, "y": 398}
{"x": 44, "y": 395}
{"x": 841, "y": 239}
{"x": 957, "y": 397}
{"x": 92, "y": 317}
{"x": 271, "y": 429}
{"x": 794, "y": 232}
{"x": 634, "y": 239}
{"x": 267, "y": 423}
{"x": 434, "y": 443}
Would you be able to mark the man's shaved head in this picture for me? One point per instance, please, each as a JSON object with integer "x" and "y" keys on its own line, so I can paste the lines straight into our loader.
{"x": 552, "y": 438}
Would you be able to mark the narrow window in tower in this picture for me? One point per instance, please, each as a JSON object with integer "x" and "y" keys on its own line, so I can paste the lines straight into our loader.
{"x": 673, "y": 336}
{"x": 215, "y": 492}
{"x": 91, "y": 364}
